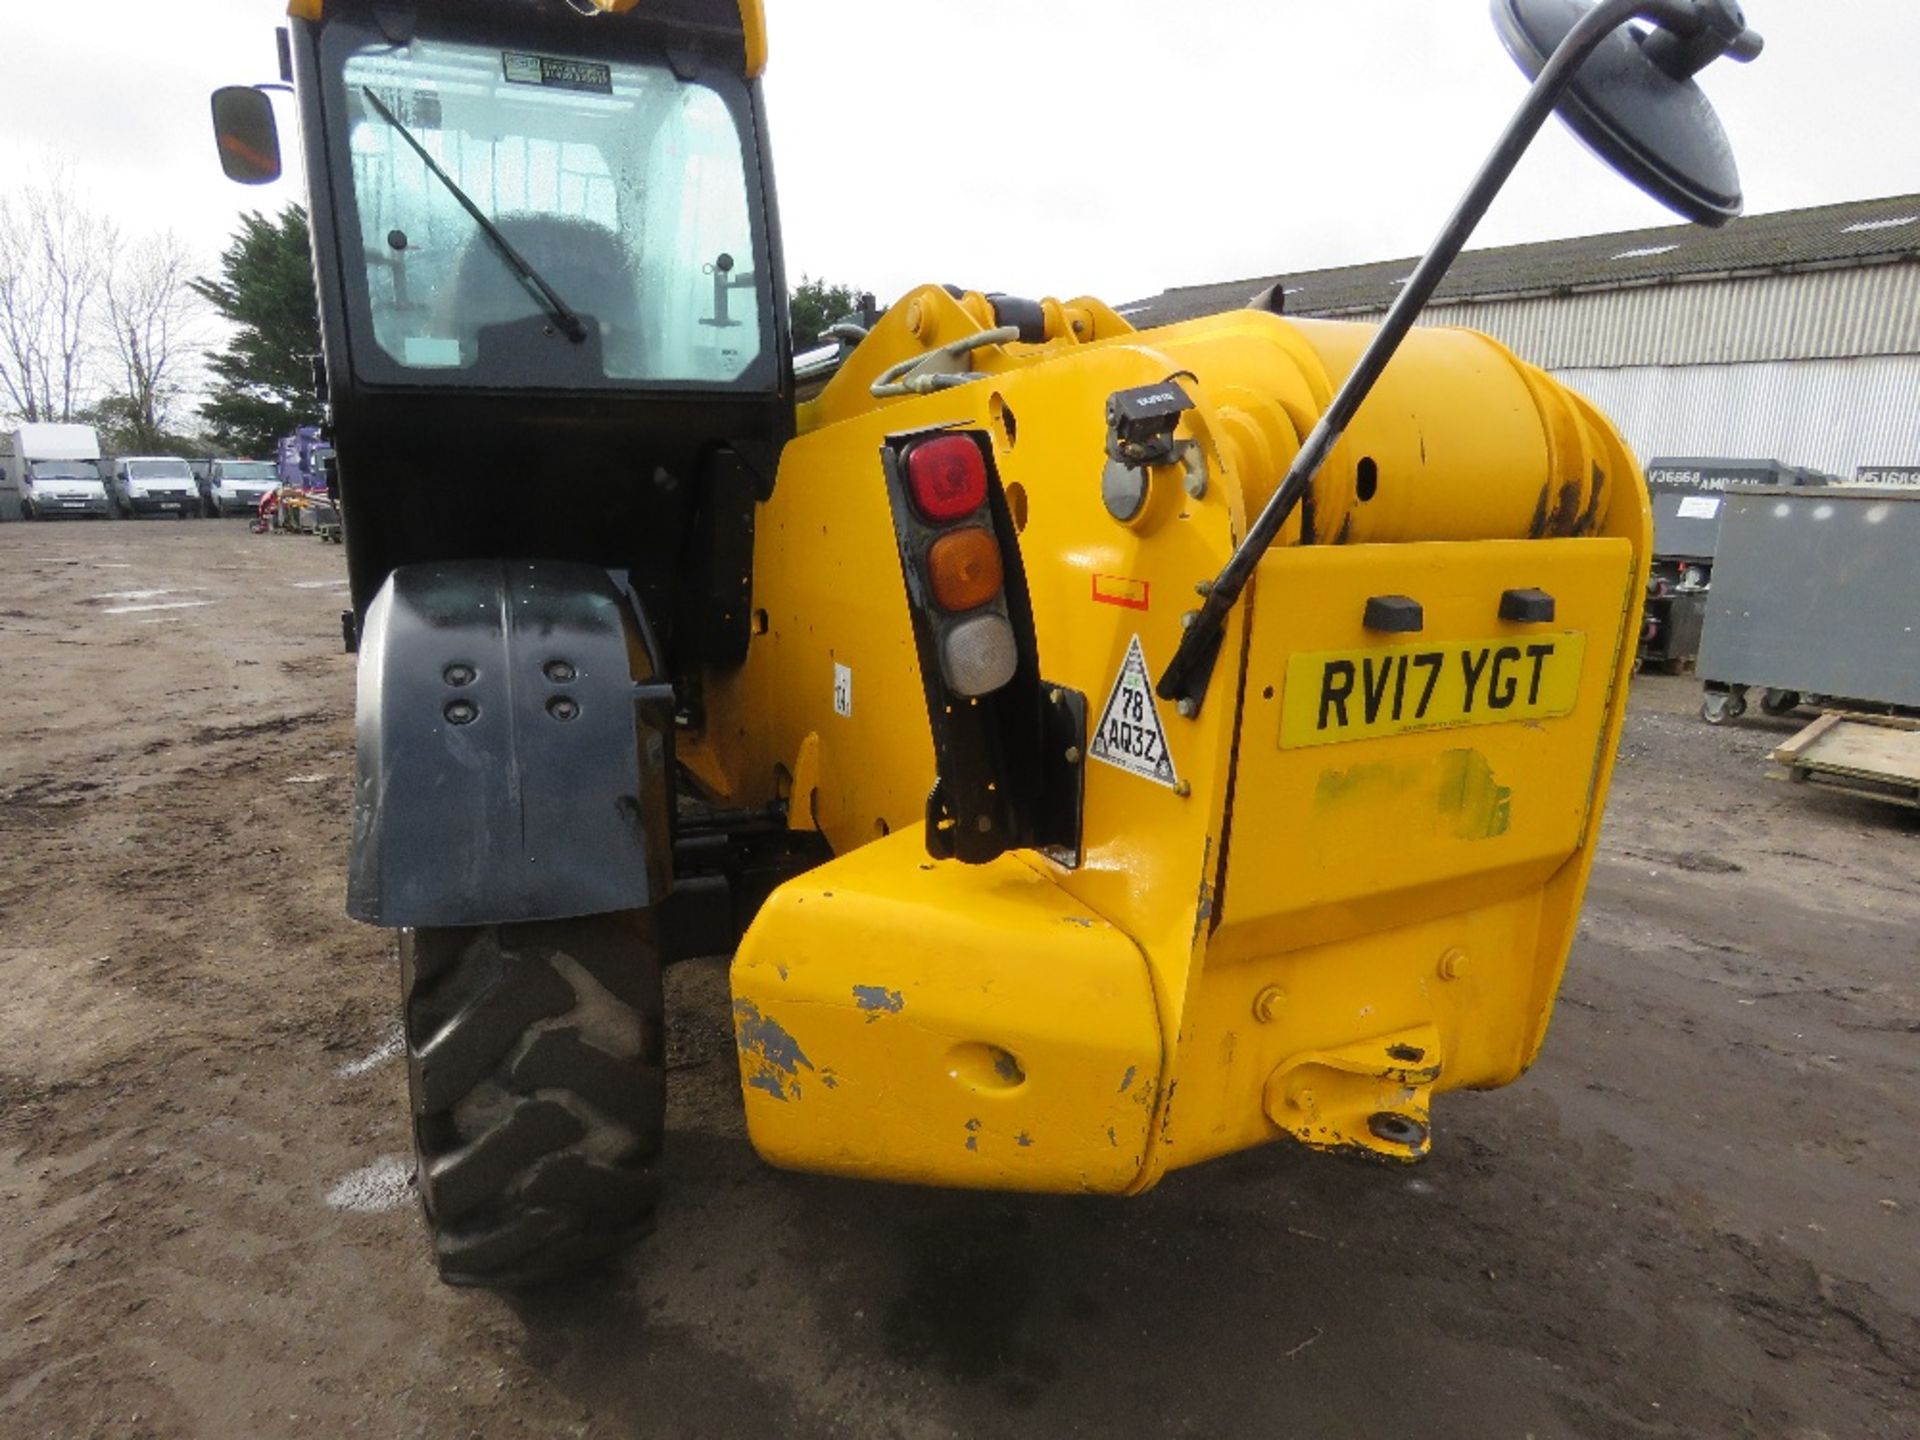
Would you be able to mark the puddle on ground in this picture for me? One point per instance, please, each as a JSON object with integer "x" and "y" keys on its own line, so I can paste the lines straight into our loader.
{"x": 384, "y": 1185}
{"x": 390, "y": 1048}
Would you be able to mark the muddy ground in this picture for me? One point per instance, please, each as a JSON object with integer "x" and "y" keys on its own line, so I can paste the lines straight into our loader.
{"x": 1698, "y": 1216}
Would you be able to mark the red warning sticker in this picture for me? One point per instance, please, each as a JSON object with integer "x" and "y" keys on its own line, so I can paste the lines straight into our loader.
{"x": 1120, "y": 590}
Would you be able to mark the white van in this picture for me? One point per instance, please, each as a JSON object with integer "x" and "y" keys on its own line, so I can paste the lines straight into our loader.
{"x": 234, "y": 487}
{"x": 52, "y": 469}
{"x": 153, "y": 485}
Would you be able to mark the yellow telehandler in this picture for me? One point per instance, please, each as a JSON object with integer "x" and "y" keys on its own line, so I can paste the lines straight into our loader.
{"x": 1101, "y": 749}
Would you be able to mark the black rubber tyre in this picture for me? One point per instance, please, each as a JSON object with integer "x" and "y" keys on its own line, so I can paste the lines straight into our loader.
{"x": 536, "y": 1063}
{"x": 1779, "y": 702}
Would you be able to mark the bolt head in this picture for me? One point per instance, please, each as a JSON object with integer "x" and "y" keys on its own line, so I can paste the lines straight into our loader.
{"x": 560, "y": 672}
{"x": 461, "y": 712}
{"x": 458, "y": 675}
{"x": 1266, "y": 1005}
{"x": 563, "y": 707}
{"x": 1453, "y": 964}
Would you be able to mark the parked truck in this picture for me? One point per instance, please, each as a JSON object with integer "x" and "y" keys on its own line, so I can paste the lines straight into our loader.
{"x": 50, "y": 469}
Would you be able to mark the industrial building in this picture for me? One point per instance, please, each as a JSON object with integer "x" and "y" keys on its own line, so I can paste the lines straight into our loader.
{"x": 1793, "y": 336}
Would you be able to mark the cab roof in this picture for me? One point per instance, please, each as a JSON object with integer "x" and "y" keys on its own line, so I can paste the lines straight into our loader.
{"x": 745, "y": 18}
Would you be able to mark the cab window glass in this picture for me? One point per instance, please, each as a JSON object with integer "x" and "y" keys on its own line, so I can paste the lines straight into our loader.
{"x": 623, "y": 187}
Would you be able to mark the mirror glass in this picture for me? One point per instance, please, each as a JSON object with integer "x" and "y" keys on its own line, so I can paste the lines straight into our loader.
{"x": 1659, "y": 132}
{"x": 248, "y": 138}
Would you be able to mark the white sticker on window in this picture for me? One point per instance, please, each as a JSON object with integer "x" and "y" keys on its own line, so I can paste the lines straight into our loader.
{"x": 1129, "y": 734}
{"x": 426, "y": 352}
{"x": 842, "y": 689}
{"x": 1699, "y": 507}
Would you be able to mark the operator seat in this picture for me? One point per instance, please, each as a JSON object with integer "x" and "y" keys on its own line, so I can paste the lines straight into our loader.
{"x": 584, "y": 262}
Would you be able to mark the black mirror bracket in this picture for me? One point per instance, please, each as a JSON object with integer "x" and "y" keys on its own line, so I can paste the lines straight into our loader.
{"x": 1701, "y": 31}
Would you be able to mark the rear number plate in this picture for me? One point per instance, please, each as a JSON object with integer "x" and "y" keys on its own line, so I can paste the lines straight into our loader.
{"x": 1335, "y": 695}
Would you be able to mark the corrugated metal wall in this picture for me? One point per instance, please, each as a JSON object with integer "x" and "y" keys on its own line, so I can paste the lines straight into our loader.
{"x": 1834, "y": 415}
{"x": 1822, "y": 314}
{"x": 1820, "y": 368}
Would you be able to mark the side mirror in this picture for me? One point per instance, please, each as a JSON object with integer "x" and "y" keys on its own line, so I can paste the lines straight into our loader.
{"x": 1634, "y": 102}
{"x": 246, "y": 134}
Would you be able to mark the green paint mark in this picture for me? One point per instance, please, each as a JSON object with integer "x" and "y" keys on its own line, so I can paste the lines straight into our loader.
{"x": 1456, "y": 790}
{"x": 1479, "y": 805}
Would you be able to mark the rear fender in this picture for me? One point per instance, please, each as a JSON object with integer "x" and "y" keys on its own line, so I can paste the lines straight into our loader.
{"x": 510, "y": 767}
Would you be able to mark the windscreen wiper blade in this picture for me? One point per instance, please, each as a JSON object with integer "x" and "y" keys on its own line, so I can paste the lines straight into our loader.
{"x": 562, "y": 313}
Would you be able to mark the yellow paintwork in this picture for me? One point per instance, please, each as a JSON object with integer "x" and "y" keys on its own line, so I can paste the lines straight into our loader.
{"x": 753, "y": 23}
{"x": 928, "y": 1070}
{"x": 1384, "y": 918}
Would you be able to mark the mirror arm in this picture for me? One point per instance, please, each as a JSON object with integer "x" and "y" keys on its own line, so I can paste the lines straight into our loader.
{"x": 1186, "y": 676}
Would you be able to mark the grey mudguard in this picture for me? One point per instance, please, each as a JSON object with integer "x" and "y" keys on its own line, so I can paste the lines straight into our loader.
{"x": 505, "y": 769}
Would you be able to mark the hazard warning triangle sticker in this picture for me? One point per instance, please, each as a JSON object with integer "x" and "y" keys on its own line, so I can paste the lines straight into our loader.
{"x": 1129, "y": 734}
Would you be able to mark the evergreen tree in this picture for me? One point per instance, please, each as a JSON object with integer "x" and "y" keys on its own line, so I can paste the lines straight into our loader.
{"x": 813, "y": 306}
{"x": 263, "y": 380}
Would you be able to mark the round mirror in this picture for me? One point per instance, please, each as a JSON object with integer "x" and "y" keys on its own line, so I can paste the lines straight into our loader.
{"x": 1657, "y": 130}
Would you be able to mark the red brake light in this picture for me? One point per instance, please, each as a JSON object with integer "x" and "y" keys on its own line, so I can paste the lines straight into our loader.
{"x": 948, "y": 478}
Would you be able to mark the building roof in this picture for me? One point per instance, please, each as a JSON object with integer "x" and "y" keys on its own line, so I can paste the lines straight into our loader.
{"x": 1856, "y": 233}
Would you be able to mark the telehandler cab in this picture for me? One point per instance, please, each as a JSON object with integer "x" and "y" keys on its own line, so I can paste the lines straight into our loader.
{"x": 1108, "y": 748}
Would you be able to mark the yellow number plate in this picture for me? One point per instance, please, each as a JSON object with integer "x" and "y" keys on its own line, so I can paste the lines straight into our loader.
{"x": 1335, "y": 695}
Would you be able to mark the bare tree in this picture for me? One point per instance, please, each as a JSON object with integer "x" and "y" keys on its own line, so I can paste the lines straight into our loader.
{"x": 54, "y": 255}
{"x": 154, "y": 324}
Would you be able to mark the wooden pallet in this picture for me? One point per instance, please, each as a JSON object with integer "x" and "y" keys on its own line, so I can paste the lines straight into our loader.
{"x": 1876, "y": 756}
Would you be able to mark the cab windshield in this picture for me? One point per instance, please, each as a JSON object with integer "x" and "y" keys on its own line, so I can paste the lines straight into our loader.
{"x": 245, "y": 470}
{"x": 159, "y": 470}
{"x": 622, "y": 191}
{"x": 62, "y": 470}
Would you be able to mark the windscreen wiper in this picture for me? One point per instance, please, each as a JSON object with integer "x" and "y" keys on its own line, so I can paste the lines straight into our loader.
{"x": 562, "y": 313}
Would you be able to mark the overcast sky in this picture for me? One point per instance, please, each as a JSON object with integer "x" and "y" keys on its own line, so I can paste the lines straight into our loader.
{"x": 1111, "y": 147}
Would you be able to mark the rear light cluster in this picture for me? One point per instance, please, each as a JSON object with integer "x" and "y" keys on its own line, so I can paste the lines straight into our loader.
{"x": 958, "y": 557}
{"x": 1006, "y": 744}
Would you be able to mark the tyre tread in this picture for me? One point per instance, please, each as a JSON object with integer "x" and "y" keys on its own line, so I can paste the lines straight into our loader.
{"x": 534, "y": 1147}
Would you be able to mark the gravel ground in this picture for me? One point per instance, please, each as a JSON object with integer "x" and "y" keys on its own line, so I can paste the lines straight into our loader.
{"x": 1698, "y": 1216}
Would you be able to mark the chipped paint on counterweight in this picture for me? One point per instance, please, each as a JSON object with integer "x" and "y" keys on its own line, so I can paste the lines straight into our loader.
{"x": 770, "y": 1058}
{"x": 877, "y": 1000}
{"x": 762, "y": 1037}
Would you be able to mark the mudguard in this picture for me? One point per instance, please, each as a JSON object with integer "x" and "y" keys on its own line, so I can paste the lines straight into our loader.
{"x": 510, "y": 764}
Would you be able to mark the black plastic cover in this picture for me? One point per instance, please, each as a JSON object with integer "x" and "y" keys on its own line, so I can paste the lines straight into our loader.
{"x": 1141, "y": 422}
{"x": 1527, "y": 607}
{"x": 1394, "y": 615}
{"x": 506, "y": 770}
